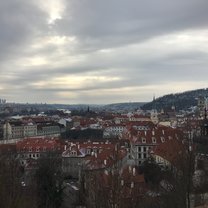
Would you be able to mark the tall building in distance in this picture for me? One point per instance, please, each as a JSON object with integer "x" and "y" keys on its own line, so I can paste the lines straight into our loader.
{"x": 2, "y": 101}
{"x": 202, "y": 106}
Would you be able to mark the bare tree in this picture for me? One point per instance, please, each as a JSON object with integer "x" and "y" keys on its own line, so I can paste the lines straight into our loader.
{"x": 49, "y": 180}
{"x": 10, "y": 182}
{"x": 179, "y": 181}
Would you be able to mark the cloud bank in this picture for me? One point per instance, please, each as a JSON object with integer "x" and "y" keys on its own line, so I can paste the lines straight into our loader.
{"x": 94, "y": 51}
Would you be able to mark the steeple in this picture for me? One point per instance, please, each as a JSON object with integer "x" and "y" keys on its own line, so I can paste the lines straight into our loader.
{"x": 154, "y": 103}
{"x": 153, "y": 97}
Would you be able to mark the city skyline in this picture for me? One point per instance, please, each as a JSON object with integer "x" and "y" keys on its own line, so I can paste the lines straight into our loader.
{"x": 93, "y": 51}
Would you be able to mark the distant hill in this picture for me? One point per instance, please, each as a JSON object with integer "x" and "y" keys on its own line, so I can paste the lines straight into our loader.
{"x": 181, "y": 101}
{"x": 131, "y": 106}
{"x": 118, "y": 107}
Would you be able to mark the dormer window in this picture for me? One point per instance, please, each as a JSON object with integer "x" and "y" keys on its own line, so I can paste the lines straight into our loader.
{"x": 30, "y": 149}
{"x": 154, "y": 140}
{"x": 169, "y": 137}
{"x": 162, "y": 139}
{"x": 74, "y": 153}
{"x": 88, "y": 151}
{"x": 38, "y": 149}
{"x": 143, "y": 140}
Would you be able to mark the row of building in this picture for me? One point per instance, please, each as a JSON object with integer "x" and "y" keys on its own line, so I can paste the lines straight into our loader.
{"x": 31, "y": 127}
{"x": 138, "y": 141}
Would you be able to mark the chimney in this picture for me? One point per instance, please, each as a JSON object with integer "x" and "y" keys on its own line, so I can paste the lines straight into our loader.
{"x": 134, "y": 171}
{"x": 190, "y": 148}
{"x": 95, "y": 155}
{"x": 132, "y": 184}
{"x": 105, "y": 162}
{"x": 122, "y": 182}
{"x": 116, "y": 148}
{"x": 64, "y": 147}
{"x": 145, "y": 133}
{"x": 129, "y": 169}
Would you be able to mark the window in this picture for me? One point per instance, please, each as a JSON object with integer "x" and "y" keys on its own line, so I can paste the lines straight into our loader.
{"x": 139, "y": 155}
{"x": 88, "y": 151}
{"x": 74, "y": 153}
{"x": 154, "y": 140}
{"x": 143, "y": 140}
{"x": 139, "y": 149}
{"x": 144, "y": 149}
{"x": 145, "y": 155}
{"x": 162, "y": 139}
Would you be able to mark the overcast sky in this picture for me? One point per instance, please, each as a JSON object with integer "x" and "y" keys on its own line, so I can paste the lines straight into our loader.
{"x": 101, "y": 51}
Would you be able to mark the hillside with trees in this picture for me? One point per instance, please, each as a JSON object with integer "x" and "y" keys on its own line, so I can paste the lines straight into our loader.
{"x": 181, "y": 101}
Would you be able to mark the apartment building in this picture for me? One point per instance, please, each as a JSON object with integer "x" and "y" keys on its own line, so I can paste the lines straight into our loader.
{"x": 142, "y": 142}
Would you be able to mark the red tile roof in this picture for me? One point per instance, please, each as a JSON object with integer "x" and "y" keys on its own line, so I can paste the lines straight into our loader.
{"x": 39, "y": 145}
{"x": 7, "y": 148}
{"x": 153, "y": 136}
{"x": 171, "y": 150}
{"x": 107, "y": 158}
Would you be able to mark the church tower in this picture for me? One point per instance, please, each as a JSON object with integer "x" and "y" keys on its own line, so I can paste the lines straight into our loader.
{"x": 154, "y": 113}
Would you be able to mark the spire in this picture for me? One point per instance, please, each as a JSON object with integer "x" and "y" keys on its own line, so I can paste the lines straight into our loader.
{"x": 154, "y": 103}
{"x": 154, "y": 97}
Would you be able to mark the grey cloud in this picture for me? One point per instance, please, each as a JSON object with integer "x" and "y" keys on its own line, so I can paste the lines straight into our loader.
{"x": 20, "y": 21}
{"x": 118, "y": 22}
{"x": 130, "y": 29}
{"x": 133, "y": 71}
